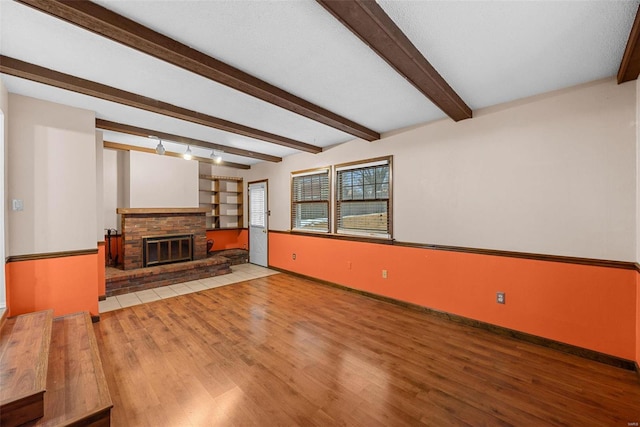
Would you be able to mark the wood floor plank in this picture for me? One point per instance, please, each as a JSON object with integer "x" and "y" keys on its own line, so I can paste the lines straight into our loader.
{"x": 24, "y": 353}
{"x": 281, "y": 350}
{"x": 77, "y": 392}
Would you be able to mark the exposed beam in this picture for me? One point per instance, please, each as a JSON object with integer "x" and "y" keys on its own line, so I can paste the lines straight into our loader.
{"x": 138, "y": 131}
{"x": 125, "y": 147}
{"x": 367, "y": 20}
{"x": 39, "y": 74}
{"x": 104, "y": 22}
{"x": 630, "y": 64}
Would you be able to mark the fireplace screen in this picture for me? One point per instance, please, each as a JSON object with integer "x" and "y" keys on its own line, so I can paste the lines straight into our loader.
{"x": 166, "y": 249}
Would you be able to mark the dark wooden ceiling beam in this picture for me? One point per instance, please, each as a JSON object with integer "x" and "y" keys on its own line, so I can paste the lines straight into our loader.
{"x": 50, "y": 77}
{"x": 368, "y": 21}
{"x": 125, "y": 147}
{"x": 104, "y": 22}
{"x": 138, "y": 131}
{"x": 630, "y": 64}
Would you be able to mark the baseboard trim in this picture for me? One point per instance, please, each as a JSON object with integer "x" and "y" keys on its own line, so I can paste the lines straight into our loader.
{"x": 499, "y": 330}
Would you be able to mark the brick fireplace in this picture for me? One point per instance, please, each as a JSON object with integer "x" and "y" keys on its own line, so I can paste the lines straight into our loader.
{"x": 141, "y": 223}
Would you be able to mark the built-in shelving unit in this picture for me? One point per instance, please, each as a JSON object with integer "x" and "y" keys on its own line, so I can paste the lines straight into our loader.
{"x": 222, "y": 196}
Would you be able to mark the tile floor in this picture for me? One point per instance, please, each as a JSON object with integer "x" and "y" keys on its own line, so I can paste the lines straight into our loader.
{"x": 239, "y": 273}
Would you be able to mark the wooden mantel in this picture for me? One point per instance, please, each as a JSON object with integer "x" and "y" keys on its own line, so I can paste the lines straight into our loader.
{"x": 151, "y": 211}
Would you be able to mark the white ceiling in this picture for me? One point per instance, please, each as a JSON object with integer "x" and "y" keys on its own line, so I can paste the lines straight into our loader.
{"x": 489, "y": 52}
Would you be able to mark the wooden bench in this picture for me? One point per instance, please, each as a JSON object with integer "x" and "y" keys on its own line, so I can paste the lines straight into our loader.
{"x": 24, "y": 347}
{"x": 51, "y": 373}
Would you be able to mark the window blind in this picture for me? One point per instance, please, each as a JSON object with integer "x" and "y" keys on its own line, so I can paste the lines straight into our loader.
{"x": 257, "y": 214}
{"x": 363, "y": 198}
{"x": 310, "y": 192}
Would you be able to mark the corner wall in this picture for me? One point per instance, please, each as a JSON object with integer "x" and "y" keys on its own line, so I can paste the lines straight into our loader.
{"x": 553, "y": 174}
{"x": 4, "y": 223}
{"x": 100, "y": 267}
{"x": 52, "y": 169}
{"x": 637, "y": 223}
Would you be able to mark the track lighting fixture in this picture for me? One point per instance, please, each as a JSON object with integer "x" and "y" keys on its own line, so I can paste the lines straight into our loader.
{"x": 160, "y": 148}
{"x": 216, "y": 156}
{"x": 187, "y": 154}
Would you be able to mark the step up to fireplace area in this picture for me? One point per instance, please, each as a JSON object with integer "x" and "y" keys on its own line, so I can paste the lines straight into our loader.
{"x": 51, "y": 373}
{"x": 119, "y": 282}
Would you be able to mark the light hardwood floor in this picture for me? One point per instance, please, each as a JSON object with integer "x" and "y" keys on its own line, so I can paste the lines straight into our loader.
{"x": 286, "y": 351}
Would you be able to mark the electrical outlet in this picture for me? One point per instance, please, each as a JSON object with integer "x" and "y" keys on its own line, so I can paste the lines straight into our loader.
{"x": 384, "y": 274}
{"x": 500, "y": 298}
{"x": 293, "y": 256}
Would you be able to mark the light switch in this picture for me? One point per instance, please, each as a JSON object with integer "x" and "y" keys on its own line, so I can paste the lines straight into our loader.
{"x": 17, "y": 205}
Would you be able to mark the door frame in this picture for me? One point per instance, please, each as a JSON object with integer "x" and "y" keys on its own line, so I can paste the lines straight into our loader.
{"x": 266, "y": 219}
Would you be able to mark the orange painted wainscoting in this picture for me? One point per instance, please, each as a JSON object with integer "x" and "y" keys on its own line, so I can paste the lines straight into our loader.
{"x": 236, "y": 238}
{"x": 587, "y": 306}
{"x": 638, "y": 318}
{"x": 66, "y": 284}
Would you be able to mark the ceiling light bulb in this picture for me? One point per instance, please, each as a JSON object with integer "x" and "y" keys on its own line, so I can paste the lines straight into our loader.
{"x": 160, "y": 148}
{"x": 216, "y": 155}
{"x": 187, "y": 155}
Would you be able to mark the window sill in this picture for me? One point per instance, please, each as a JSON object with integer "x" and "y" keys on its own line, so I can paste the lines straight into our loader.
{"x": 341, "y": 236}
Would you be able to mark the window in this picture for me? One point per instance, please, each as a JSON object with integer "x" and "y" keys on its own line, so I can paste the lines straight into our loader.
{"x": 257, "y": 213}
{"x": 363, "y": 198}
{"x": 310, "y": 200}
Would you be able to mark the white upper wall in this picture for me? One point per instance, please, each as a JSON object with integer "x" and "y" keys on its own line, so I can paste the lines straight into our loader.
{"x": 638, "y": 190}
{"x": 4, "y": 106}
{"x": 99, "y": 186}
{"x": 162, "y": 181}
{"x": 52, "y": 169}
{"x": 110, "y": 190}
{"x": 4, "y": 110}
{"x": 551, "y": 174}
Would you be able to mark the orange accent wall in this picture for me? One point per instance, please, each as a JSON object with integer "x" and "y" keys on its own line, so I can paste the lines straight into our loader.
{"x": 587, "y": 306}
{"x": 229, "y": 239}
{"x": 638, "y": 318}
{"x": 102, "y": 284}
{"x": 66, "y": 284}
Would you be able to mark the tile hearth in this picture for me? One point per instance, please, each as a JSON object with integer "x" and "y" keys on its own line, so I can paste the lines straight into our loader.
{"x": 240, "y": 273}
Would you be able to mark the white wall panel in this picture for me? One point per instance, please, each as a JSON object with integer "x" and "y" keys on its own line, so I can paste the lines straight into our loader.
{"x": 161, "y": 181}
{"x": 551, "y": 174}
{"x": 52, "y": 170}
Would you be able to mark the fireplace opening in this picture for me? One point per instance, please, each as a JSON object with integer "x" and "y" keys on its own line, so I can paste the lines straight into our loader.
{"x": 167, "y": 249}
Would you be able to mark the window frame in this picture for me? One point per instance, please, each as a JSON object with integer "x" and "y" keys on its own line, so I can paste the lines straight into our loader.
{"x": 310, "y": 172}
{"x": 363, "y": 164}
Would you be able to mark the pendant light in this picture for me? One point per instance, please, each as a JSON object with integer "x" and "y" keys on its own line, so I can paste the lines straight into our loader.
{"x": 160, "y": 148}
{"x": 216, "y": 156}
{"x": 187, "y": 154}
